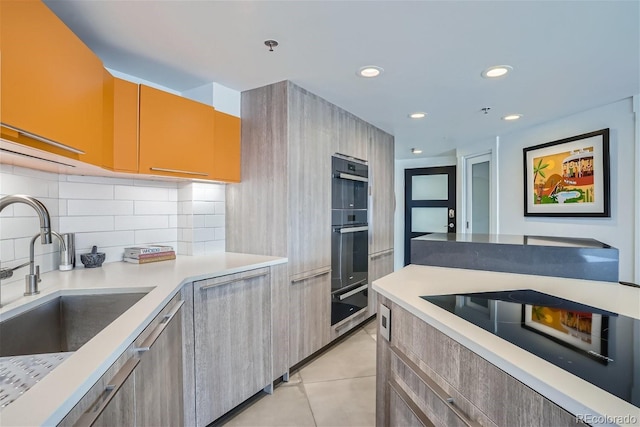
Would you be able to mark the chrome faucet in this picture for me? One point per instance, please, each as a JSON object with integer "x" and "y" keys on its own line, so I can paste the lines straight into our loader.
{"x": 33, "y": 278}
{"x": 45, "y": 232}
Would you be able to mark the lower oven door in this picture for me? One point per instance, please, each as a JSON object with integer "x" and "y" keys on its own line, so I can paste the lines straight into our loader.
{"x": 349, "y": 256}
{"x": 345, "y": 303}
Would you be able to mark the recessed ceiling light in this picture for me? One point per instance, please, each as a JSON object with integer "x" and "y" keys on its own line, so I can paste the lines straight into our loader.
{"x": 418, "y": 115}
{"x": 512, "y": 117}
{"x": 416, "y": 151}
{"x": 496, "y": 71}
{"x": 370, "y": 71}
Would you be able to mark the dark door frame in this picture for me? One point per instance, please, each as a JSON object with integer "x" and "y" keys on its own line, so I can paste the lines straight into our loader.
{"x": 409, "y": 203}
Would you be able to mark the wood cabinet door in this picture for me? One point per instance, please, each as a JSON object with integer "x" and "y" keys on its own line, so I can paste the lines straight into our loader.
{"x": 232, "y": 320}
{"x": 309, "y": 315}
{"x": 353, "y": 137}
{"x": 52, "y": 84}
{"x": 176, "y": 135}
{"x": 312, "y": 136}
{"x": 158, "y": 377}
{"x": 380, "y": 265}
{"x": 381, "y": 181}
{"x": 226, "y": 148}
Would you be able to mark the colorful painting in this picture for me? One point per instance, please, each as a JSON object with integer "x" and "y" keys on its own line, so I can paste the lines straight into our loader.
{"x": 569, "y": 177}
{"x": 576, "y": 329}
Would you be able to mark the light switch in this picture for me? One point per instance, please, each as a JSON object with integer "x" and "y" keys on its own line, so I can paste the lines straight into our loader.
{"x": 384, "y": 314}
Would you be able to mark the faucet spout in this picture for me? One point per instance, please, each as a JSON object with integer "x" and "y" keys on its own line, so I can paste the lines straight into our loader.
{"x": 41, "y": 210}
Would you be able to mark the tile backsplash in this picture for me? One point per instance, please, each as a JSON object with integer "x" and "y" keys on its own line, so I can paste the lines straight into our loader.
{"x": 111, "y": 213}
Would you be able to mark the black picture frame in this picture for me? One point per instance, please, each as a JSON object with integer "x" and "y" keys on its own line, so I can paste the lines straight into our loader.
{"x": 569, "y": 177}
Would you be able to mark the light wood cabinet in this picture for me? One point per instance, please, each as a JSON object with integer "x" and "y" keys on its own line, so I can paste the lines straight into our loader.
{"x": 52, "y": 84}
{"x": 382, "y": 201}
{"x": 232, "y": 321}
{"x": 310, "y": 314}
{"x": 283, "y": 205}
{"x": 313, "y": 131}
{"x": 353, "y": 136}
{"x": 380, "y": 264}
{"x": 158, "y": 377}
{"x": 144, "y": 386}
{"x": 450, "y": 384}
{"x": 176, "y": 135}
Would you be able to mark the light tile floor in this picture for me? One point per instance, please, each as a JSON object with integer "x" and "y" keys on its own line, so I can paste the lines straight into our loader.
{"x": 338, "y": 388}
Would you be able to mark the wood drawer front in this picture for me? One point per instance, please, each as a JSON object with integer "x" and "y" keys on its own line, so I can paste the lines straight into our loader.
{"x": 440, "y": 408}
{"x": 403, "y": 411}
{"x": 494, "y": 397}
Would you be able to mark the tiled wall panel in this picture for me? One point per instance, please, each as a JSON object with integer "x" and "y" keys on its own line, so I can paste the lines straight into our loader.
{"x": 111, "y": 213}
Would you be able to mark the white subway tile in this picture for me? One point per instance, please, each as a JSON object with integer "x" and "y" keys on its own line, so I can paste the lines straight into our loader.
{"x": 199, "y": 221}
{"x": 185, "y": 248}
{"x": 17, "y": 184}
{"x": 198, "y": 248}
{"x": 80, "y": 224}
{"x": 219, "y": 233}
{"x": 163, "y": 183}
{"x": 99, "y": 207}
{"x": 203, "y": 208}
{"x": 141, "y": 193}
{"x": 214, "y": 220}
{"x": 220, "y": 208}
{"x": 141, "y": 222}
{"x": 214, "y": 247}
{"x": 156, "y": 236}
{"x": 62, "y": 207}
{"x": 203, "y": 234}
{"x": 84, "y": 241}
{"x": 185, "y": 192}
{"x": 19, "y": 227}
{"x": 107, "y": 180}
{"x": 155, "y": 208}
{"x": 88, "y": 191}
{"x": 7, "y": 251}
{"x": 173, "y": 221}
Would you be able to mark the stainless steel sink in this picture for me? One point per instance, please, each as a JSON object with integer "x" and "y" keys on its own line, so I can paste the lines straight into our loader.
{"x": 63, "y": 324}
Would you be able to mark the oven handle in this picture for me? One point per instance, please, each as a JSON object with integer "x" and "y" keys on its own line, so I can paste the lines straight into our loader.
{"x": 346, "y": 230}
{"x": 353, "y": 292}
{"x": 350, "y": 177}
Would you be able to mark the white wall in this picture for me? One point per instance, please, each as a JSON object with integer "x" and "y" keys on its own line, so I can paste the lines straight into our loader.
{"x": 617, "y": 231}
{"x": 622, "y": 230}
{"x": 111, "y": 213}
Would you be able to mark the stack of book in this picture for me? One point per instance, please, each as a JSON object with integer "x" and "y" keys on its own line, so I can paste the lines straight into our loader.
{"x": 148, "y": 253}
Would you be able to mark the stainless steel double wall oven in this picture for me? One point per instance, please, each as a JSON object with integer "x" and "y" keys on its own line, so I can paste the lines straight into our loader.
{"x": 349, "y": 237}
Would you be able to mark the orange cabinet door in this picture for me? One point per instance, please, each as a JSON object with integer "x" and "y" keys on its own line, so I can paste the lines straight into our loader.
{"x": 121, "y": 140}
{"x": 176, "y": 135}
{"x": 226, "y": 155}
{"x": 52, "y": 84}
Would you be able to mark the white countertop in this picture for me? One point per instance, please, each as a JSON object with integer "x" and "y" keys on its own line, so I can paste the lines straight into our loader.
{"x": 404, "y": 287}
{"x": 47, "y": 402}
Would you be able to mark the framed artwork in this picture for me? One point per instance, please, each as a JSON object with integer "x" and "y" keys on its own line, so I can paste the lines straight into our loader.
{"x": 582, "y": 331}
{"x": 568, "y": 177}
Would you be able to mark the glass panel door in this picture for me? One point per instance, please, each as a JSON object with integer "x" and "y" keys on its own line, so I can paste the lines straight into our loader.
{"x": 430, "y": 203}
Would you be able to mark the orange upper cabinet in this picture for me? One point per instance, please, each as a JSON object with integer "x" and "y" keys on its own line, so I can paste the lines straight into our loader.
{"x": 176, "y": 135}
{"x": 226, "y": 159}
{"x": 121, "y": 130}
{"x": 51, "y": 84}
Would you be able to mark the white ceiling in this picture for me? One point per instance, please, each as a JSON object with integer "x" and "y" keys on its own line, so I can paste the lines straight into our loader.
{"x": 568, "y": 56}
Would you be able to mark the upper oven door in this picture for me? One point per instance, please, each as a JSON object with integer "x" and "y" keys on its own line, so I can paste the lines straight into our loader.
{"x": 350, "y": 184}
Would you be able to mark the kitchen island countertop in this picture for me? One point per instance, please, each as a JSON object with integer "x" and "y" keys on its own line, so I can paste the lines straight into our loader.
{"x": 405, "y": 288}
{"x": 47, "y": 402}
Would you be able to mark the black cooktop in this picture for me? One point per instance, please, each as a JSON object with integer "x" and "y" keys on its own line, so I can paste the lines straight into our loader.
{"x": 598, "y": 346}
